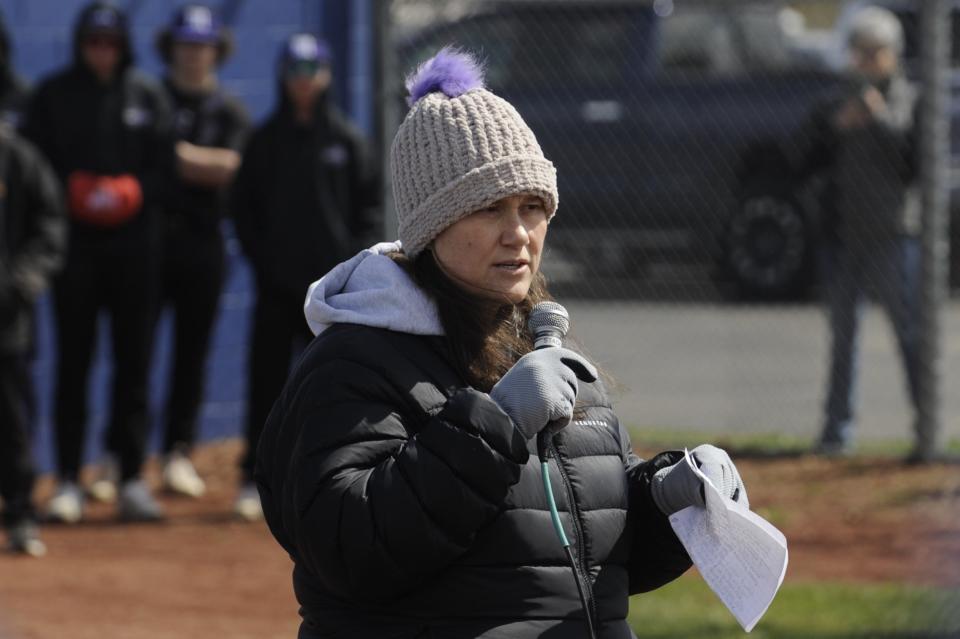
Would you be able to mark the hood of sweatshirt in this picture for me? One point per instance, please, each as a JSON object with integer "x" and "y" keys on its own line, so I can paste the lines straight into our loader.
{"x": 117, "y": 18}
{"x": 370, "y": 289}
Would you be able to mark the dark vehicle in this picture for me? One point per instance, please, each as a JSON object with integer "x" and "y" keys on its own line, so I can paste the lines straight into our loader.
{"x": 664, "y": 122}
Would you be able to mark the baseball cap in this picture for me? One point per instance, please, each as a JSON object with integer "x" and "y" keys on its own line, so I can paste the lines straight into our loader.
{"x": 102, "y": 19}
{"x": 304, "y": 52}
{"x": 195, "y": 23}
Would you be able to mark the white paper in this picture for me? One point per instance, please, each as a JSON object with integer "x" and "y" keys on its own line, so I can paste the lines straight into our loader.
{"x": 742, "y": 557}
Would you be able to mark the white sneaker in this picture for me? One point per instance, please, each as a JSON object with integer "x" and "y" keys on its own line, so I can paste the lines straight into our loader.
{"x": 179, "y": 476}
{"x": 104, "y": 486}
{"x": 247, "y": 506}
{"x": 66, "y": 505}
{"x": 137, "y": 504}
{"x": 23, "y": 538}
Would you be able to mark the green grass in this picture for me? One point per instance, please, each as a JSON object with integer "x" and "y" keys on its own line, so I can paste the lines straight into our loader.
{"x": 763, "y": 443}
{"x": 688, "y": 608}
{"x": 802, "y": 610}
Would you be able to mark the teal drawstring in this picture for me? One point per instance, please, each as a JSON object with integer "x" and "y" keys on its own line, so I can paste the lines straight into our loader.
{"x": 554, "y": 515}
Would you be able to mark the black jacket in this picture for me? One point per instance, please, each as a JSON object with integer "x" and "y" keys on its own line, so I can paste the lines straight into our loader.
{"x": 211, "y": 119}
{"x": 412, "y": 507}
{"x": 122, "y": 127}
{"x": 869, "y": 175}
{"x": 32, "y": 237}
{"x": 305, "y": 198}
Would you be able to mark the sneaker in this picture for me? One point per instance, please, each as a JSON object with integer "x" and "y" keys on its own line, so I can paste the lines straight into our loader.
{"x": 247, "y": 506}
{"x": 136, "y": 503}
{"x": 833, "y": 449}
{"x": 66, "y": 505}
{"x": 179, "y": 476}
{"x": 104, "y": 486}
{"x": 24, "y": 538}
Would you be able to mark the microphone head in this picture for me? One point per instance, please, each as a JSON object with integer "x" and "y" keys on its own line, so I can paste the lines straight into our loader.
{"x": 548, "y": 324}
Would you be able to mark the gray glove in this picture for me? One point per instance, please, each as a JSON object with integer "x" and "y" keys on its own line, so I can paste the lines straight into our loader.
{"x": 676, "y": 487}
{"x": 542, "y": 388}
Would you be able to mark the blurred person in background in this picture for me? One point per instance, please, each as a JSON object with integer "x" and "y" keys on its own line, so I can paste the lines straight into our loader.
{"x": 103, "y": 127}
{"x": 32, "y": 242}
{"x": 865, "y": 145}
{"x": 209, "y": 126}
{"x": 13, "y": 92}
{"x": 397, "y": 468}
{"x": 306, "y": 197}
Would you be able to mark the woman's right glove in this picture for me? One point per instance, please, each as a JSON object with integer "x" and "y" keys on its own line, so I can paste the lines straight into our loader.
{"x": 542, "y": 388}
{"x": 676, "y": 487}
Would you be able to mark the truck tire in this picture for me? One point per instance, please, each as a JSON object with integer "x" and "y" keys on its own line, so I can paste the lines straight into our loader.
{"x": 768, "y": 242}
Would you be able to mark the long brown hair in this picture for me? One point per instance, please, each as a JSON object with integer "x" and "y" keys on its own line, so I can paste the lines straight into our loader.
{"x": 486, "y": 337}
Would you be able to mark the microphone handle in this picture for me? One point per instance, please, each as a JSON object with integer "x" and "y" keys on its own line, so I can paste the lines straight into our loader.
{"x": 543, "y": 445}
{"x": 545, "y": 436}
{"x": 548, "y": 339}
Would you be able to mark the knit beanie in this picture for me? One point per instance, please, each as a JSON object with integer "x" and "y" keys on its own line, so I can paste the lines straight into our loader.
{"x": 460, "y": 149}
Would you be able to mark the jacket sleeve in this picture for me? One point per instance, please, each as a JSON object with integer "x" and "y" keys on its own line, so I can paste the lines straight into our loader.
{"x": 898, "y": 142}
{"x": 159, "y": 147}
{"x": 366, "y": 223}
{"x": 370, "y": 509}
{"x": 237, "y": 126}
{"x": 810, "y": 149}
{"x": 243, "y": 199}
{"x": 36, "y": 121}
{"x": 42, "y": 253}
{"x": 656, "y": 557}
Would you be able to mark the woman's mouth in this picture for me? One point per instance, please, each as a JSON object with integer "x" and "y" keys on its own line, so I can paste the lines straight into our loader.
{"x": 512, "y": 265}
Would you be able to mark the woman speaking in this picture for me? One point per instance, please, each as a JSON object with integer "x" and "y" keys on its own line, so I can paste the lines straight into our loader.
{"x": 399, "y": 466}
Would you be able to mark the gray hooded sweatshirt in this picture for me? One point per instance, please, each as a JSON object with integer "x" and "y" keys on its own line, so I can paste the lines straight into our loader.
{"x": 370, "y": 289}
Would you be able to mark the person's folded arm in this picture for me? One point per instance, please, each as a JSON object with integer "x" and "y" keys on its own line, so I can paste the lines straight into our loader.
{"x": 206, "y": 166}
{"x": 374, "y": 511}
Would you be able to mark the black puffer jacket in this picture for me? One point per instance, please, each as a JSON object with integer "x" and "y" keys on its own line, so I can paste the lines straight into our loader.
{"x": 412, "y": 507}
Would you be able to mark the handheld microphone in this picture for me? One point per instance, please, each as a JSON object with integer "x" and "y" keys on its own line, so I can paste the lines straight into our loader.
{"x": 548, "y": 324}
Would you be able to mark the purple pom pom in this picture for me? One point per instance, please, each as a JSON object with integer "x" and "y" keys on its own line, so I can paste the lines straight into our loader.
{"x": 451, "y": 71}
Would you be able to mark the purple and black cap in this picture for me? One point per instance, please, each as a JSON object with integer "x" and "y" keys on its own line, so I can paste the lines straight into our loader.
{"x": 304, "y": 54}
{"x": 196, "y": 23}
{"x": 101, "y": 19}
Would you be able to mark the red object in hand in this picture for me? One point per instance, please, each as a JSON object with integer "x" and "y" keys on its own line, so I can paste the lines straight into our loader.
{"x": 104, "y": 200}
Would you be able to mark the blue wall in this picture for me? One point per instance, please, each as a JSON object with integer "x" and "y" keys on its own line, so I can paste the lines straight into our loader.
{"x": 41, "y": 32}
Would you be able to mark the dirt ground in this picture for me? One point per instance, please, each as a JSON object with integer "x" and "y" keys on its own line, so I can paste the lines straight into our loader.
{"x": 204, "y": 574}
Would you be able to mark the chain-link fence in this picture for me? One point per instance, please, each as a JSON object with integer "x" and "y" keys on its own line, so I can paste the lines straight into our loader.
{"x": 729, "y": 171}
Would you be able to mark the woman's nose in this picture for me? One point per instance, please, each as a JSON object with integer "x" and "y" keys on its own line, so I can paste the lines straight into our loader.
{"x": 515, "y": 231}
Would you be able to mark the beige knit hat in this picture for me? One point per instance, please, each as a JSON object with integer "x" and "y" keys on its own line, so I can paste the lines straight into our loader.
{"x": 459, "y": 149}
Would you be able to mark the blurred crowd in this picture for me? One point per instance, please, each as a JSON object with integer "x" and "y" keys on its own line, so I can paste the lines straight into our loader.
{"x": 113, "y": 186}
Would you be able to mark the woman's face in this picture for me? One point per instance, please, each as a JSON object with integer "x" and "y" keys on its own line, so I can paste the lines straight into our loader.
{"x": 495, "y": 252}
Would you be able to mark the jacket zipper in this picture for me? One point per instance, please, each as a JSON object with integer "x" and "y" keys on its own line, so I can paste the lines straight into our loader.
{"x": 578, "y": 529}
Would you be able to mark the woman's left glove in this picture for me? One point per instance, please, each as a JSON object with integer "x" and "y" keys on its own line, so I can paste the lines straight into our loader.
{"x": 675, "y": 487}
